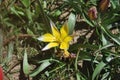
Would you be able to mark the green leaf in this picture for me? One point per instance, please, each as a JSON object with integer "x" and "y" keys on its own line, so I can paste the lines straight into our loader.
{"x": 29, "y": 31}
{"x": 98, "y": 69}
{"x": 87, "y": 20}
{"x": 26, "y": 66}
{"x": 115, "y": 3}
{"x": 29, "y": 14}
{"x": 0, "y": 1}
{"x": 13, "y": 9}
{"x": 26, "y": 3}
{"x": 17, "y": 11}
{"x": 71, "y": 22}
{"x": 43, "y": 66}
{"x": 111, "y": 18}
{"x": 56, "y": 13}
{"x": 104, "y": 47}
{"x": 100, "y": 66}
{"x": 104, "y": 40}
{"x": 51, "y": 60}
{"x": 113, "y": 37}
{"x": 10, "y": 51}
{"x": 44, "y": 17}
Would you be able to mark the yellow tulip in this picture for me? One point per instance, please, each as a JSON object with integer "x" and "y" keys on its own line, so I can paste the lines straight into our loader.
{"x": 57, "y": 38}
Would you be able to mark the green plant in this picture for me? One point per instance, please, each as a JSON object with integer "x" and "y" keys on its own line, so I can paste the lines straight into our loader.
{"x": 93, "y": 53}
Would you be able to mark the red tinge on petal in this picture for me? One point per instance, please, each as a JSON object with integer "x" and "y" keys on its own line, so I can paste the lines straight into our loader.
{"x": 1, "y": 73}
{"x": 92, "y": 13}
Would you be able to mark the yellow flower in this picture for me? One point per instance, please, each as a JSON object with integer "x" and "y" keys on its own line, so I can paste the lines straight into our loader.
{"x": 66, "y": 54}
{"x": 57, "y": 38}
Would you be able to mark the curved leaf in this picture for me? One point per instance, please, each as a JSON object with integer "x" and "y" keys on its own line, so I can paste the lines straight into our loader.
{"x": 113, "y": 37}
{"x": 26, "y": 66}
{"x": 100, "y": 66}
{"x": 71, "y": 23}
{"x": 40, "y": 68}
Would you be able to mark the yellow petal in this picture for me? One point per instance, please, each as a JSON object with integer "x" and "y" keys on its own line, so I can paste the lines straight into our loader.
{"x": 50, "y": 45}
{"x": 64, "y": 45}
{"x": 47, "y": 38}
{"x": 67, "y": 39}
{"x": 55, "y": 31}
{"x": 64, "y": 31}
{"x": 66, "y": 54}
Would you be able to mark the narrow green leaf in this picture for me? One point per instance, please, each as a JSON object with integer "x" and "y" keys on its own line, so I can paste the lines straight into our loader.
{"x": 43, "y": 66}
{"x": 26, "y": 3}
{"x": 51, "y": 60}
{"x": 104, "y": 47}
{"x": 113, "y": 37}
{"x": 29, "y": 31}
{"x": 100, "y": 66}
{"x": 113, "y": 4}
{"x": 39, "y": 62}
{"x": 105, "y": 75}
{"x": 71, "y": 22}
{"x": 78, "y": 76}
{"x": 98, "y": 69}
{"x": 10, "y": 51}
{"x": 0, "y": 1}
{"x": 104, "y": 40}
{"x": 87, "y": 20}
{"x": 111, "y": 18}
{"x": 29, "y": 14}
{"x": 26, "y": 66}
{"x": 56, "y": 13}
{"x": 14, "y": 11}
{"x": 44, "y": 17}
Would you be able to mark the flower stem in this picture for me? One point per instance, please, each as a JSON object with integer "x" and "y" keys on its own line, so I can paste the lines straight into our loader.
{"x": 76, "y": 67}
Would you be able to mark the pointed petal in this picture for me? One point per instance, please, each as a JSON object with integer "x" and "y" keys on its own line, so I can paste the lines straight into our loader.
{"x": 68, "y": 39}
{"x": 55, "y": 31}
{"x": 64, "y": 45}
{"x": 47, "y": 38}
{"x": 64, "y": 30}
{"x": 66, "y": 54}
{"x": 50, "y": 45}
